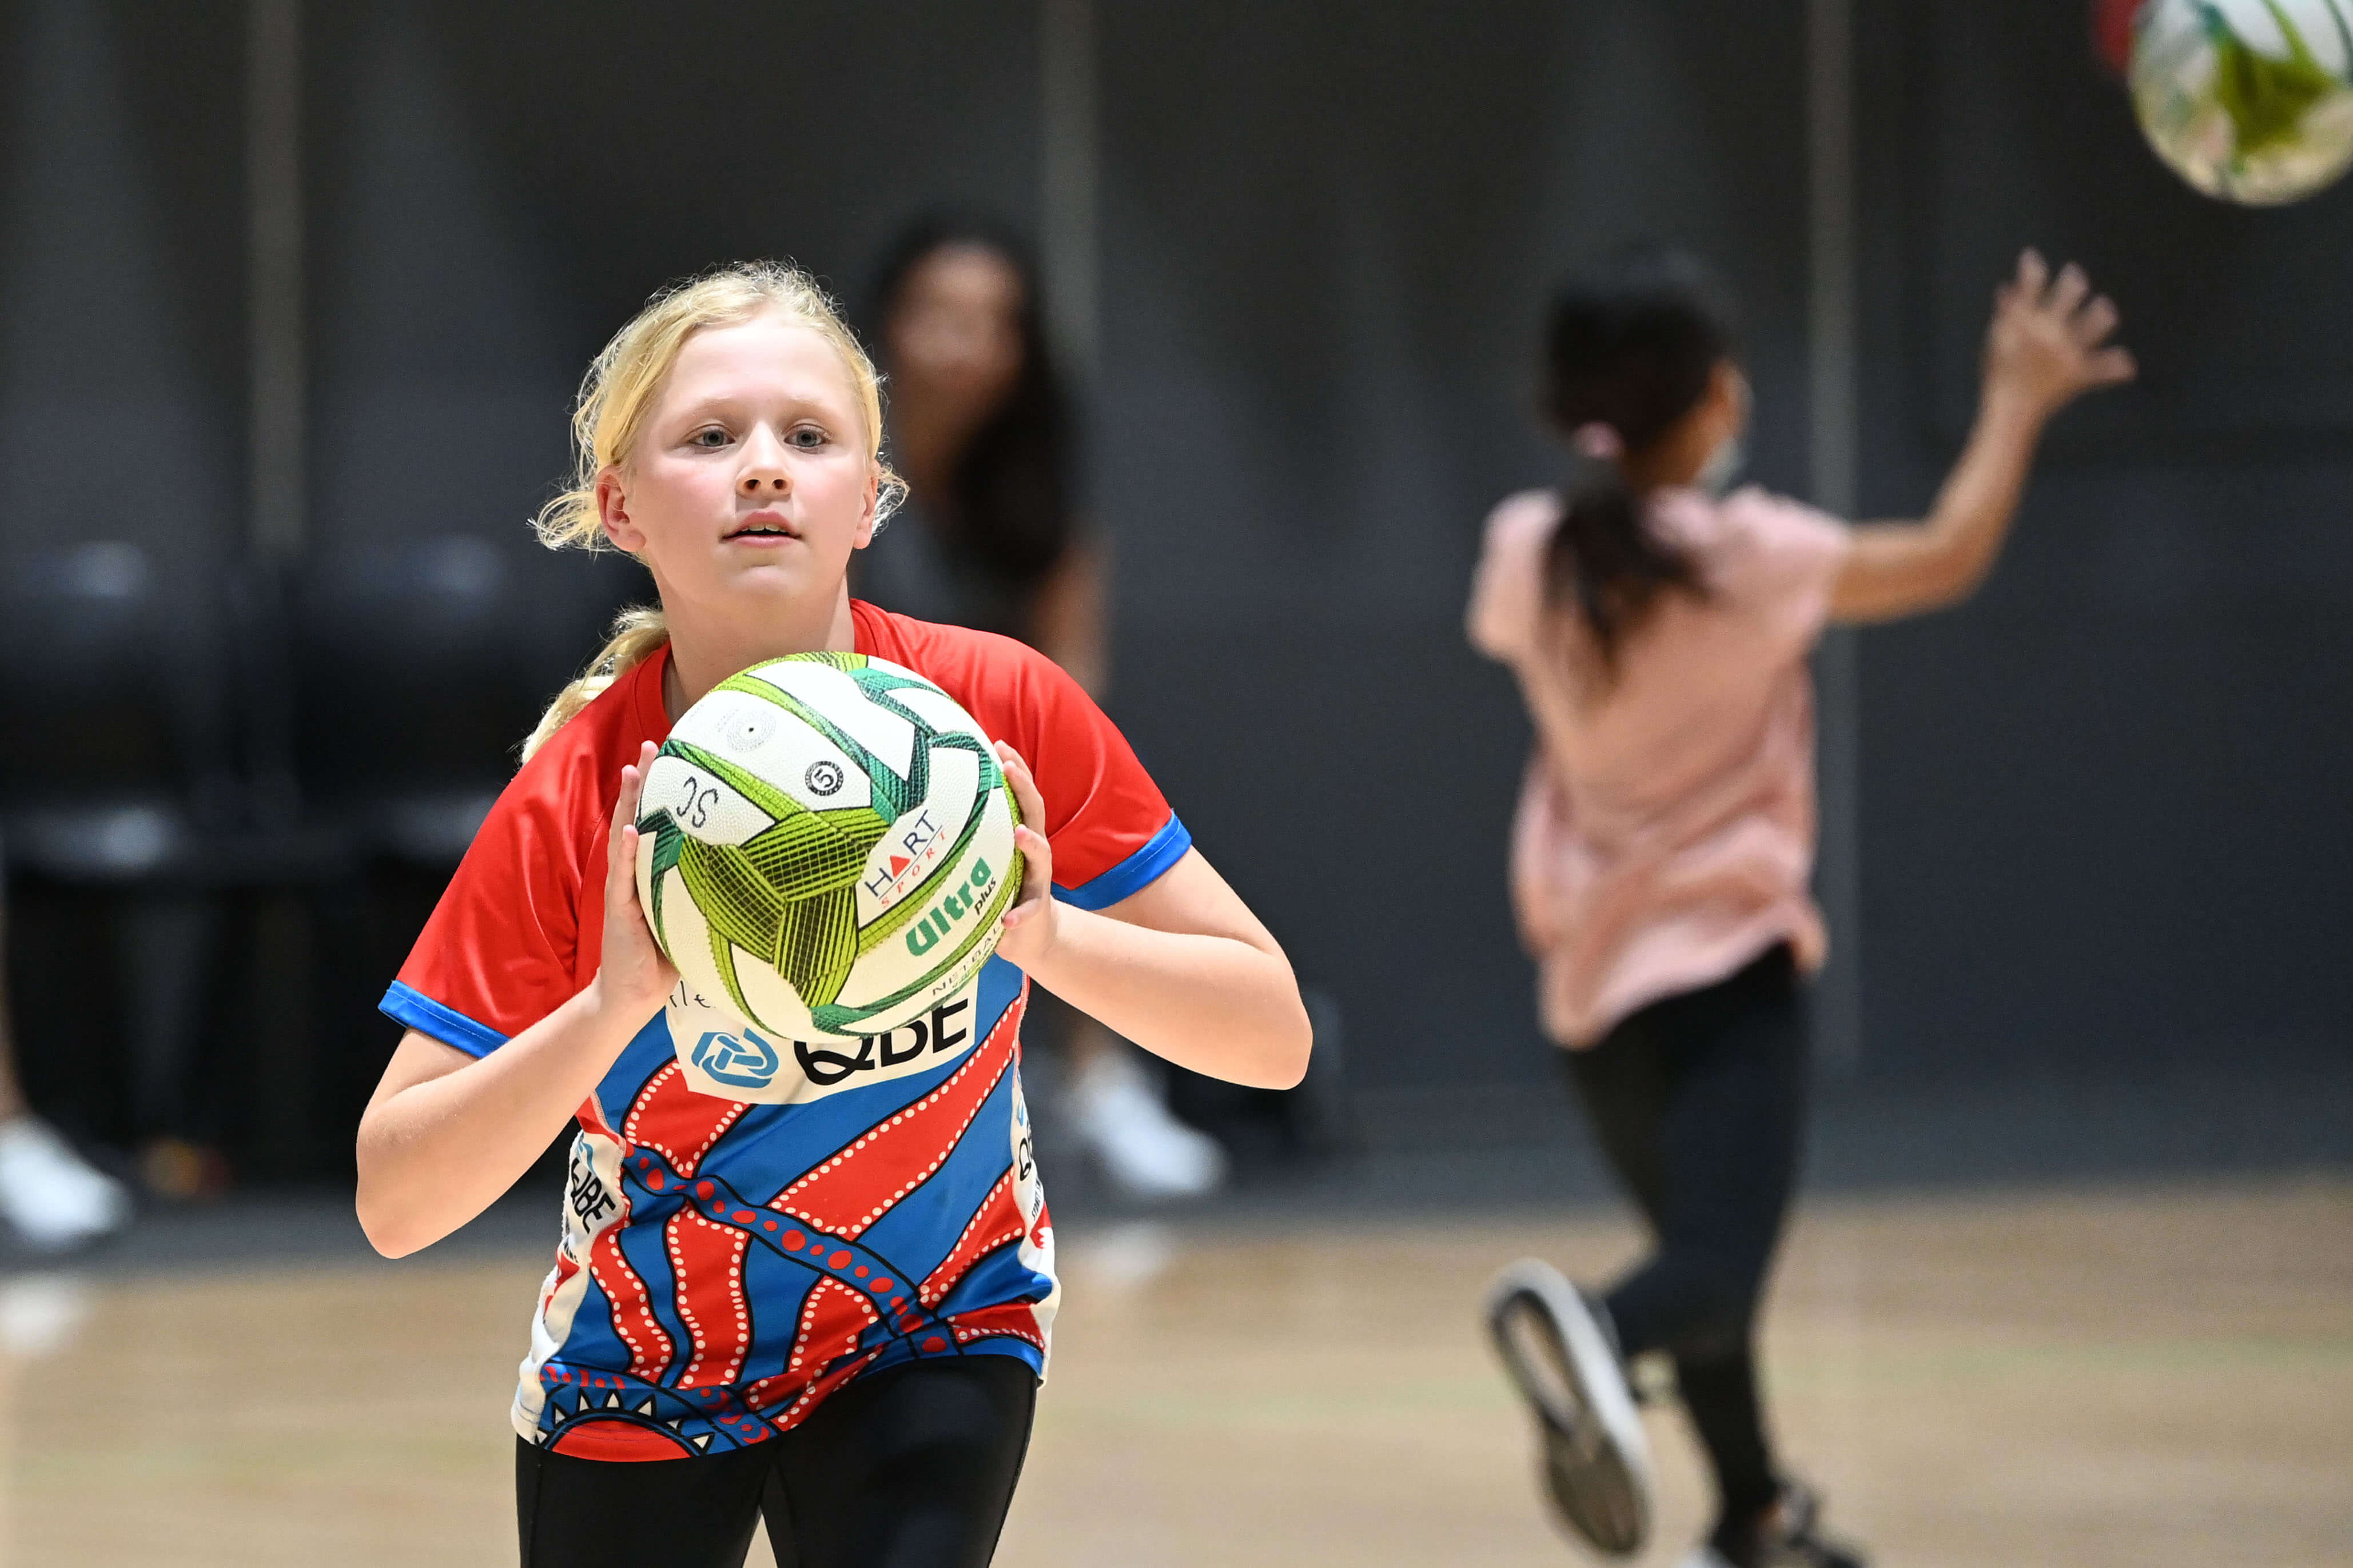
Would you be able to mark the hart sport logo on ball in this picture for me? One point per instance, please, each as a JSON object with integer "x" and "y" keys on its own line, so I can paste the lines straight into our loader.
{"x": 827, "y": 844}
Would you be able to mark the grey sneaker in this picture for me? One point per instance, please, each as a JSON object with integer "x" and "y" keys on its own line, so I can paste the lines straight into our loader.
{"x": 1561, "y": 1354}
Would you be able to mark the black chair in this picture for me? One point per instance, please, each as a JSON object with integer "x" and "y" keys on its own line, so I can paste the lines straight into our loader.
{"x": 114, "y": 700}
{"x": 419, "y": 667}
{"x": 116, "y": 777}
{"x": 126, "y": 793}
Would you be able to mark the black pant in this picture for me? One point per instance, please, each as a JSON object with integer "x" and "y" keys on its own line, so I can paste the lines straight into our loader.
{"x": 911, "y": 1468}
{"x": 1699, "y": 1100}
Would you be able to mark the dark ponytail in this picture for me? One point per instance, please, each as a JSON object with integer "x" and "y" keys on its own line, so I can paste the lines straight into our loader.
{"x": 1629, "y": 349}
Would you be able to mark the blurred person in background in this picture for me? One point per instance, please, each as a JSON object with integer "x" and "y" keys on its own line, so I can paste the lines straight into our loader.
{"x": 1658, "y": 625}
{"x": 989, "y": 537}
{"x": 51, "y": 1198}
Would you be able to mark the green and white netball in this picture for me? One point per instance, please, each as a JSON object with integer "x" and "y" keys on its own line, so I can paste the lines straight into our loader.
{"x": 2249, "y": 101}
{"x": 826, "y": 844}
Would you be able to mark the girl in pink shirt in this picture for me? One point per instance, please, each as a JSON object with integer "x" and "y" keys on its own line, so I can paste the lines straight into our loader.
{"x": 1659, "y": 629}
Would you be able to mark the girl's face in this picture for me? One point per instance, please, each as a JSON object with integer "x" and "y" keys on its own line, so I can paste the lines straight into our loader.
{"x": 751, "y": 479}
{"x": 955, "y": 331}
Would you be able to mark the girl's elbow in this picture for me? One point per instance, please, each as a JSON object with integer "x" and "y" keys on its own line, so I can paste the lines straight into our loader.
{"x": 1957, "y": 585}
{"x": 1925, "y": 590}
{"x": 385, "y": 1232}
{"x": 1290, "y": 1074}
{"x": 389, "y": 1226}
{"x": 1285, "y": 1064}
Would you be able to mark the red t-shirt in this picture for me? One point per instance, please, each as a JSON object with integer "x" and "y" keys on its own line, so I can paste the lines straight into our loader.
{"x": 726, "y": 1265}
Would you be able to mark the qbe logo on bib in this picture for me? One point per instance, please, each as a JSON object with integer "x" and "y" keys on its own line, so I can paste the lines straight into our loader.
{"x": 727, "y": 1059}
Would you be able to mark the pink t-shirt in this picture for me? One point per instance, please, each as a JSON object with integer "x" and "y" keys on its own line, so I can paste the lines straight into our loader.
{"x": 1665, "y": 833}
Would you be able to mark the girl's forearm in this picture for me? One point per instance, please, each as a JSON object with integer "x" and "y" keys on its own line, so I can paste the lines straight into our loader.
{"x": 1897, "y": 569}
{"x": 1213, "y": 1003}
{"x": 1974, "y": 510}
{"x": 436, "y": 1153}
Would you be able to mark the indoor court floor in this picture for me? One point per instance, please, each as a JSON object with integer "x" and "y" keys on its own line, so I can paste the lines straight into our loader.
{"x": 2098, "y": 1377}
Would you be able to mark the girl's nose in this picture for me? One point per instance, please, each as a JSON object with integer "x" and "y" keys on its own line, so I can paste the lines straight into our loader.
{"x": 764, "y": 470}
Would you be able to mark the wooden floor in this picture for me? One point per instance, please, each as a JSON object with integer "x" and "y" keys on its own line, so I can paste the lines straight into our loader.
{"x": 2110, "y": 1378}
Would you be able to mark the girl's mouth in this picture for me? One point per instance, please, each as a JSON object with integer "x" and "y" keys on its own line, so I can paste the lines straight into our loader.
{"x": 765, "y": 525}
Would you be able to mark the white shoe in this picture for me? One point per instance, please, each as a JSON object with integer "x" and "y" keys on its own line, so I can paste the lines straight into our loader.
{"x": 1596, "y": 1460}
{"x": 1146, "y": 1151}
{"x": 50, "y": 1195}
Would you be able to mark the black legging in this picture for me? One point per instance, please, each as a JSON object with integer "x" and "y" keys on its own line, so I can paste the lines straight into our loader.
{"x": 1699, "y": 1101}
{"x": 911, "y": 1468}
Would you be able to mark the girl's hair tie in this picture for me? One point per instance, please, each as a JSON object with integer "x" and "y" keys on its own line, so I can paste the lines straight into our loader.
{"x": 1599, "y": 441}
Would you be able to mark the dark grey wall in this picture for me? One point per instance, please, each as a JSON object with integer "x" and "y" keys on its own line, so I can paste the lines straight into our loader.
{"x": 2098, "y": 818}
{"x": 495, "y": 189}
{"x": 121, "y": 381}
{"x": 2102, "y": 819}
{"x": 1328, "y": 234}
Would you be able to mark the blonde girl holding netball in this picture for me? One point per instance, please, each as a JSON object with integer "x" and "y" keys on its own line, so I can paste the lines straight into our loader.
{"x": 831, "y": 1314}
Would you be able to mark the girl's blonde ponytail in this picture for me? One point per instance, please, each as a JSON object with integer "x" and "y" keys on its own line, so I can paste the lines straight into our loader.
{"x": 614, "y": 396}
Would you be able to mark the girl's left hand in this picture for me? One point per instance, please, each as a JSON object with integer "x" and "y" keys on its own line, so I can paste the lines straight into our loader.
{"x": 1031, "y": 926}
{"x": 2049, "y": 343}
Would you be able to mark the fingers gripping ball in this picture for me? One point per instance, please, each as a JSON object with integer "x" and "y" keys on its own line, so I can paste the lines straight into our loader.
{"x": 825, "y": 846}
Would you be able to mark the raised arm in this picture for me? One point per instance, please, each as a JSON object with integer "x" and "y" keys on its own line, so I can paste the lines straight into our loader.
{"x": 2047, "y": 346}
{"x": 446, "y": 1134}
{"x": 1182, "y": 968}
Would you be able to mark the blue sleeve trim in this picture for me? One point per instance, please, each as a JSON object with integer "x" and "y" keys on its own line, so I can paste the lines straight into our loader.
{"x": 407, "y": 1004}
{"x": 1135, "y": 873}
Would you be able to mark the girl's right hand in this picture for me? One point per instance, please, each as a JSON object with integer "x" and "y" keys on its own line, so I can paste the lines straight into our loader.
{"x": 2048, "y": 344}
{"x": 635, "y": 974}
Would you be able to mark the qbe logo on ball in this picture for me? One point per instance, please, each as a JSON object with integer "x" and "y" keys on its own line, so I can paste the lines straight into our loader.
{"x": 827, "y": 843}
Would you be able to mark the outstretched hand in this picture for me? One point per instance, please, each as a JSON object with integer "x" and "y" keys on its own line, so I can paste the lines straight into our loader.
{"x": 1030, "y": 926}
{"x": 635, "y": 974}
{"x": 2048, "y": 344}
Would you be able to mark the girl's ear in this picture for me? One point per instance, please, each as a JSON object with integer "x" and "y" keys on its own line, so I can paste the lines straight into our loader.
{"x": 613, "y": 512}
{"x": 865, "y": 534}
{"x": 1730, "y": 390}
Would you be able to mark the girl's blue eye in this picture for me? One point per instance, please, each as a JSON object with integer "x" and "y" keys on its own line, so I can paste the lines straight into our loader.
{"x": 807, "y": 437}
{"x": 712, "y": 437}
